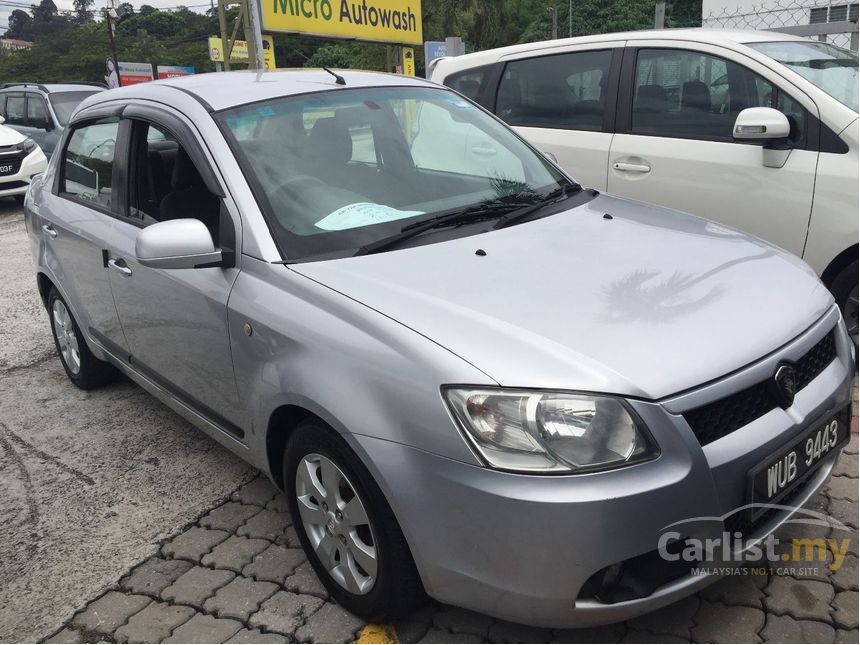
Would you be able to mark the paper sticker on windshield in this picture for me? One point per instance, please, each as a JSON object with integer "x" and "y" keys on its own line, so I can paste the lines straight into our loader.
{"x": 362, "y": 214}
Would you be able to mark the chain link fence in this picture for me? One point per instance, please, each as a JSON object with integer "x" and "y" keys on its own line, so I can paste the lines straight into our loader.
{"x": 827, "y": 21}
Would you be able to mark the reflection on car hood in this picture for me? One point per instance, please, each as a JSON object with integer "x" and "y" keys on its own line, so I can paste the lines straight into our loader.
{"x": 647, "y": 303}
{"x": 9, "y": 137}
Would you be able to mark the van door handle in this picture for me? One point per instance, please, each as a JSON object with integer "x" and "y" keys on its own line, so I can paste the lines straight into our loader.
{"x": 119, "y": 265}
{"x": 624, "y": 166}
{"x": 50, "y": 230}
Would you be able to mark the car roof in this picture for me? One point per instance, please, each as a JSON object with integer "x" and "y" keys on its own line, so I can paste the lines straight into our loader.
{"x": 222, "y": 90}
{"x": 50, "y": 87}
{"x": 699, "y": 35}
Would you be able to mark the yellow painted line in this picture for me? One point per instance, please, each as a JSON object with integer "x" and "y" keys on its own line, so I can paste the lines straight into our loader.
{"x": 373, "y": 633}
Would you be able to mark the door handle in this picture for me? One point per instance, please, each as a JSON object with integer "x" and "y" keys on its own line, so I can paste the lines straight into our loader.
{"x": 50, "y": 230}
{"x": 119, "y": 265}
{"x": 624, "y": 166}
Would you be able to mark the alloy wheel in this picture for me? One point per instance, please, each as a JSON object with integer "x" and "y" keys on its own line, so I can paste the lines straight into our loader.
{"x": 67, "y": 339}
{"x": 336, "y": 523}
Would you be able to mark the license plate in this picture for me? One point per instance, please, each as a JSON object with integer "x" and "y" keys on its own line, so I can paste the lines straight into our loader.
{"x": 7, "y": 168}
{"x": 787, "y": 468}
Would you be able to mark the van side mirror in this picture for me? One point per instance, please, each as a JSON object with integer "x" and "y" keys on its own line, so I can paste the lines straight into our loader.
{"x": 177, "y": 244}
{"x": 762, "y": 124}
{"x": 2, "y": 120}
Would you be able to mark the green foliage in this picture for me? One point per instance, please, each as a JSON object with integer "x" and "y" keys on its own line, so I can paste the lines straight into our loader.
{"x": 71, "y": 46}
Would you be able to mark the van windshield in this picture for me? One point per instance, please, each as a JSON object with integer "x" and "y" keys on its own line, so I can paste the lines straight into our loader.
{"x": 832, "y": 69}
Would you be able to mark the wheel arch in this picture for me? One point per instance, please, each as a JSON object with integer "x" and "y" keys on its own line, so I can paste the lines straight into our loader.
{"x": 838, "y": 263}
{"x": 45, "y": 284}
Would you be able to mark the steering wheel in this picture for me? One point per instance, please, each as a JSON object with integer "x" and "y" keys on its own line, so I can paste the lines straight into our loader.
{"x": 299, "y": 183}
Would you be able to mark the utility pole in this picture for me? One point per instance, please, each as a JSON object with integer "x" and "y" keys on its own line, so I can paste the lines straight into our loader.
{"x": 570, "y": 19}
{"x": 554, "y": 13}
{"x": 110, "y": 26}
{"x": 659, "y": 15}
{"x": 254, "y": 36}
{"x": 249, "y": 20}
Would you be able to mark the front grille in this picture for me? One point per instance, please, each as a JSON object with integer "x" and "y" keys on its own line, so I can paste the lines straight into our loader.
{"x": 10, "y": 156}
{"x": 719, "y": 418}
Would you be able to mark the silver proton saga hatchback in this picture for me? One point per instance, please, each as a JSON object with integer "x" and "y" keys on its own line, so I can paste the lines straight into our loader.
{"x": 473, "y": 377}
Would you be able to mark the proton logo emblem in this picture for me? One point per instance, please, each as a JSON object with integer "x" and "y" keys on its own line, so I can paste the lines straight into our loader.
{"x": 786, "y": 385}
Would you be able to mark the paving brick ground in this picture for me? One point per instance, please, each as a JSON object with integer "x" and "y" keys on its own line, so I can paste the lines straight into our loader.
{"x": 238, "y": 576}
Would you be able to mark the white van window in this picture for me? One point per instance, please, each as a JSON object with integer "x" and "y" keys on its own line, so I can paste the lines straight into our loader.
{"x": 566, "y": 91}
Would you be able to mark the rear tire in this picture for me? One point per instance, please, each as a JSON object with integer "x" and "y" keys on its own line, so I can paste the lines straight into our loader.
{"x": 82, "y": 368}
{"x": 844, "y": 290}
{"x": 353, "y": 519}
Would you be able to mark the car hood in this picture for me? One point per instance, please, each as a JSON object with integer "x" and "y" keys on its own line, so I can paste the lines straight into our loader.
{"x": 646, "y": 303}
{"x": 9, "y": 137}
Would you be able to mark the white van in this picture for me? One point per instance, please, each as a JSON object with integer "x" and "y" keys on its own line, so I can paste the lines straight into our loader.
{"x": 757, "y": 130}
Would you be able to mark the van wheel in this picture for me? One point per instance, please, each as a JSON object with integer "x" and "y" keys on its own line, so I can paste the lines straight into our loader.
{"x": 82, "y": 368}
{"x": 844, "y": 290}
{"x": 347, "y": 529}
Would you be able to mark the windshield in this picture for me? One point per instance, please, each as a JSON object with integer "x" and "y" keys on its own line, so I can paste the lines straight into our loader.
{"x": 830, "y": 68}
{"x": 335, "y": 171}
{"x": 64, "y": 103}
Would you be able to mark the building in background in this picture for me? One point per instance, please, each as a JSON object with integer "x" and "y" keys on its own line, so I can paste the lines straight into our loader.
{"x": 13, "y": 45}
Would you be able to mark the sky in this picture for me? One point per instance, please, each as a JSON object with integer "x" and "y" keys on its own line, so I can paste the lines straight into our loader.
{"x": 8, "y": 6}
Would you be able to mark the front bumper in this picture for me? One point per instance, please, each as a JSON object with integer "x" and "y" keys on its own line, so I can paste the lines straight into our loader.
{"x": 521, "y": 547}
{"x": 18, "y": 182}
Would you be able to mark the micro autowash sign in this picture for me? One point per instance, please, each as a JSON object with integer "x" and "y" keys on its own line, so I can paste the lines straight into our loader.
{"x": 388, "y": 21}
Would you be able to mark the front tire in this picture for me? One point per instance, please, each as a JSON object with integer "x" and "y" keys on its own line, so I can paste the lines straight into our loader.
{"x": 347, "y": 528}
{"x": 844, "y": 290}
{"x": 82, "y": 368}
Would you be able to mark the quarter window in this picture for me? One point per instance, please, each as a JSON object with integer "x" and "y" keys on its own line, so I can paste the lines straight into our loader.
{"x": 88, "y": 163}
{"x": 470, "y": 83}
{"x": 692, "y": 95}
{"x": 563, "y": 91}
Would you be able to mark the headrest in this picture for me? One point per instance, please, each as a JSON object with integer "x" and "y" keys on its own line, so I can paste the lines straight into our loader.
{"x": 696, "y": 95}
{"x": 651, "y": 98}
{"x": 330, "y": 140}
{"x": 184, "y": 172}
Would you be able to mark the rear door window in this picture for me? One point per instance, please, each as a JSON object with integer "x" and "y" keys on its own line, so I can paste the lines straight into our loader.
{"x": 566, "y": 91}
{"x": 16, "y": 110}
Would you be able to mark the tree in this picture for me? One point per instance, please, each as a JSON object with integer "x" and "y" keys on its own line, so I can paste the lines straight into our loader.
{"x": 45, "y": 11}
{"x": 83, "y": 11}
{"x": 146, "y": 9}
{"x": 20, "y": 25}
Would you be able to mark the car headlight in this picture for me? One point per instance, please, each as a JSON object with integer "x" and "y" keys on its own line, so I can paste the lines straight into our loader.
{"x": 26, "y": 146}
{"x": 553, "y": 432}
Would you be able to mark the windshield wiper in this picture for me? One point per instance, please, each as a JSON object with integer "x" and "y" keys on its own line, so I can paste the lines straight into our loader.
{"x": 556, "y": 195}
{"x": 509, "y": 211}
{"x": 488, "y": 210}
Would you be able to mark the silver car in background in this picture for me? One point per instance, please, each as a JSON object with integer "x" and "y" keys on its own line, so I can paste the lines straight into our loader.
{"x": 474, "y": 377}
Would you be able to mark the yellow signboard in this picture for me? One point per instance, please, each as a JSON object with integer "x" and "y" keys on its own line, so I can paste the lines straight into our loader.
{"x": 387, "y": 21}
{"x": 240, "y": 51}
{"x": 408, "y": 61}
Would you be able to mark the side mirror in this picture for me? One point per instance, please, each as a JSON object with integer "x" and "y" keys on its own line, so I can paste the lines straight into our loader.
{"x": 2, "y": 120}
{"x": 762, "y": 124}
{"x": 177, "y": 244}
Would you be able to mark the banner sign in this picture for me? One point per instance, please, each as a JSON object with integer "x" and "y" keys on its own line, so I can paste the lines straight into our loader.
{"x": 134, "y": 73}
{"x": 173, "y": 71}
{"x": 385, "y": 21}
{"x": 240, "y": 51}
{"x": 434, "y": 49}
{"x": 408, "y": 61}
